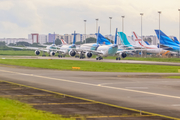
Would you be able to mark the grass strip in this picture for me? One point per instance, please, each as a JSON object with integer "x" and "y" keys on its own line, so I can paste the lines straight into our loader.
{"x": 90, "y": 66}
{"x": 15, "y": 110}
{"x": 175, "y": 77}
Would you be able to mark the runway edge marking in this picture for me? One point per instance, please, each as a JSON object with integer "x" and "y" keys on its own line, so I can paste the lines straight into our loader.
{"x": 126, "y": 108}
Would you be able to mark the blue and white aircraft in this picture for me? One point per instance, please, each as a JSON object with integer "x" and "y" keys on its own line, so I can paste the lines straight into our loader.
{"x": 86, "y": 49}
{"x": 109, "y": 50}
{"x": 67, "y": 49}
{"x": 166, "y": 42}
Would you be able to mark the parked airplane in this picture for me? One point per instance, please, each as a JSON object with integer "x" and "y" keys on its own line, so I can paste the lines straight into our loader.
{"x": 166, "y": 42}
{"x": 109, "y": 50}
{"x": 67, "y": 49}
{"x": 50, "y": 49}
{"x": 151, "y": 49}
{"x": 85, "y": 50}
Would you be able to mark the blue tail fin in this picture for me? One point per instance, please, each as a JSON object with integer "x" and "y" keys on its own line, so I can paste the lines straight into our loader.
{"x": 115, "y": 40}
{"x": 164, "y": 39}
{"x": 101, "y": 39}
{"x": 74, "y": 40}
{"x": 97, "y": 41}
{"x": 176, "y": 40}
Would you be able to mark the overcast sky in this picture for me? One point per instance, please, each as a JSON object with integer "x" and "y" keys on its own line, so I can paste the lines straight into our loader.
{"x": 18, "y": 18}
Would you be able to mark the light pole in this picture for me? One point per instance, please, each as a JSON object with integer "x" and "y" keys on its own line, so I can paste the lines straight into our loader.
{"x": 85, "y": 29}
{"x": 122, "y": 23}
{"x": 179, "y": 30}
{"x": 159, "y": 33}
{"x": 97, "y": 25}
{"x": 141, "y": 32}
{"x": 110, "y": 25}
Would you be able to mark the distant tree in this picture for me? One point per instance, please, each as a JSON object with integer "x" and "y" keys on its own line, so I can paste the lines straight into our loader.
{"x": 90, "y": 40}
{"x": 12, "y": 44}
{"x": 58, "y": 41}
{"x": 2, "y": 43}
{"x": 23, "y": 44}
{"x": 79, "y": 43}
{"x": 48, "y": 43}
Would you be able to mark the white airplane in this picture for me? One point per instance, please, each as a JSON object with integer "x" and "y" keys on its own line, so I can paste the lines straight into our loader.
{"x": 109, "y": 50}
{"x": 85, "y": 50}
{"x": 50, "y": 49}
{"x": 151, "y": 49}
{"x": 67, "y": 49}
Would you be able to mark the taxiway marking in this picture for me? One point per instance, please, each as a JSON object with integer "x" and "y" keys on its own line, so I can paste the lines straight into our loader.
{"x": 96, "y": 85}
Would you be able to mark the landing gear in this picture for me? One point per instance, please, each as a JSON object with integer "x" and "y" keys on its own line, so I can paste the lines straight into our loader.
{"x": 76, "y": 56}
{"x": 99, "y": 58}
{"x": 43, "y": 55}
{"x": 60, "y": 56}
{"x": 118, "y": 58}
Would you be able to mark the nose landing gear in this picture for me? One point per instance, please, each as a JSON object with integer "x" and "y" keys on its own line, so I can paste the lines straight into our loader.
{"x": 99, "y": 58}
{"x": 118, "y": 58}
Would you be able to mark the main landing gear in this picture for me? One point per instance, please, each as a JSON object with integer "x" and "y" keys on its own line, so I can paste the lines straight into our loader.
{"x": 99, "y": 58}
{"x": 118, "y": 58}
{"x": 60, "y": 56}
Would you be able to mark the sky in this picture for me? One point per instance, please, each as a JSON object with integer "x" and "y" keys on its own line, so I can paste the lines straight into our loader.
{"x": 22, "y": 17}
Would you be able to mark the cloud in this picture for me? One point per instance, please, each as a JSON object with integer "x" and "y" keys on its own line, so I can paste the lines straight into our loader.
{"x": 45, "y": 16}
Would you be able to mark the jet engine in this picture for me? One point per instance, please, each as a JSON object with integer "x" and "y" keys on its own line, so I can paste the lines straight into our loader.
{"x": 123, "y": 55}
{"x": 37, "y": 52}
{"x": 72, "y": 53}
{"x": 52, "y": 53}
{"x": 88, "y": 55}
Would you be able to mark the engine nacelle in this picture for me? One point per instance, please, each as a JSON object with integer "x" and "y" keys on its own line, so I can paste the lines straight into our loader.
{"x": 72, "y": 53}
{"x": 88, "y": 55}
{"x": 37, "y": 52}
{"x": 123, "y": 55}
{"x": 52, "y": 53}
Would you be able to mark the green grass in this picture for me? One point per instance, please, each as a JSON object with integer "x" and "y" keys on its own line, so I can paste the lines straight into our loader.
{"x": 15, "y": 110}
{"x": 175, "y": 77}
{"x": 90, "y": 66}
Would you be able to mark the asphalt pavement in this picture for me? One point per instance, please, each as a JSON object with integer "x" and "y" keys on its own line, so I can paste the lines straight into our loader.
{"x": 141, "y": 91}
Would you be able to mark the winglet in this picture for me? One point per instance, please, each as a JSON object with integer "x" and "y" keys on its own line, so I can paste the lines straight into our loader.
{"x": 74, "y": 40}
{"x": 98, "y": 35}
{"x": 115, "y": 40}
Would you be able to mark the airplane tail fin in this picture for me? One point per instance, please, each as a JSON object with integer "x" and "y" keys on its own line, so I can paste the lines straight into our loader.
{"x": 176, "y": 40}
{"x": 74, "y": 40}
{"x": 137, "y": 39}
{"x": 63, "y": 42}
{"x": 123, "y": 38}
{"x": 164, "y": 39}
{"x": 97, "y": 41}
{"x": 115, "y": 40}
{"x": 101, "y": 39}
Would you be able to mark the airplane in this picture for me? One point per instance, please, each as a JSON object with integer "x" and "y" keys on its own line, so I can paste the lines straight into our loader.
{"x": 166, "y": 42}
{"x": 67, "y": 49}
{"x": 109, "y": 50}
{"x": 150, "y": 49}
{"x": 86, "y": 49}
{"x": 50, "y": 49}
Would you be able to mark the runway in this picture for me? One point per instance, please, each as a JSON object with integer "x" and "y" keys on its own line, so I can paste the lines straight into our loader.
{"x": 94, "y": 60}
{"x": 141, "y": 91}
